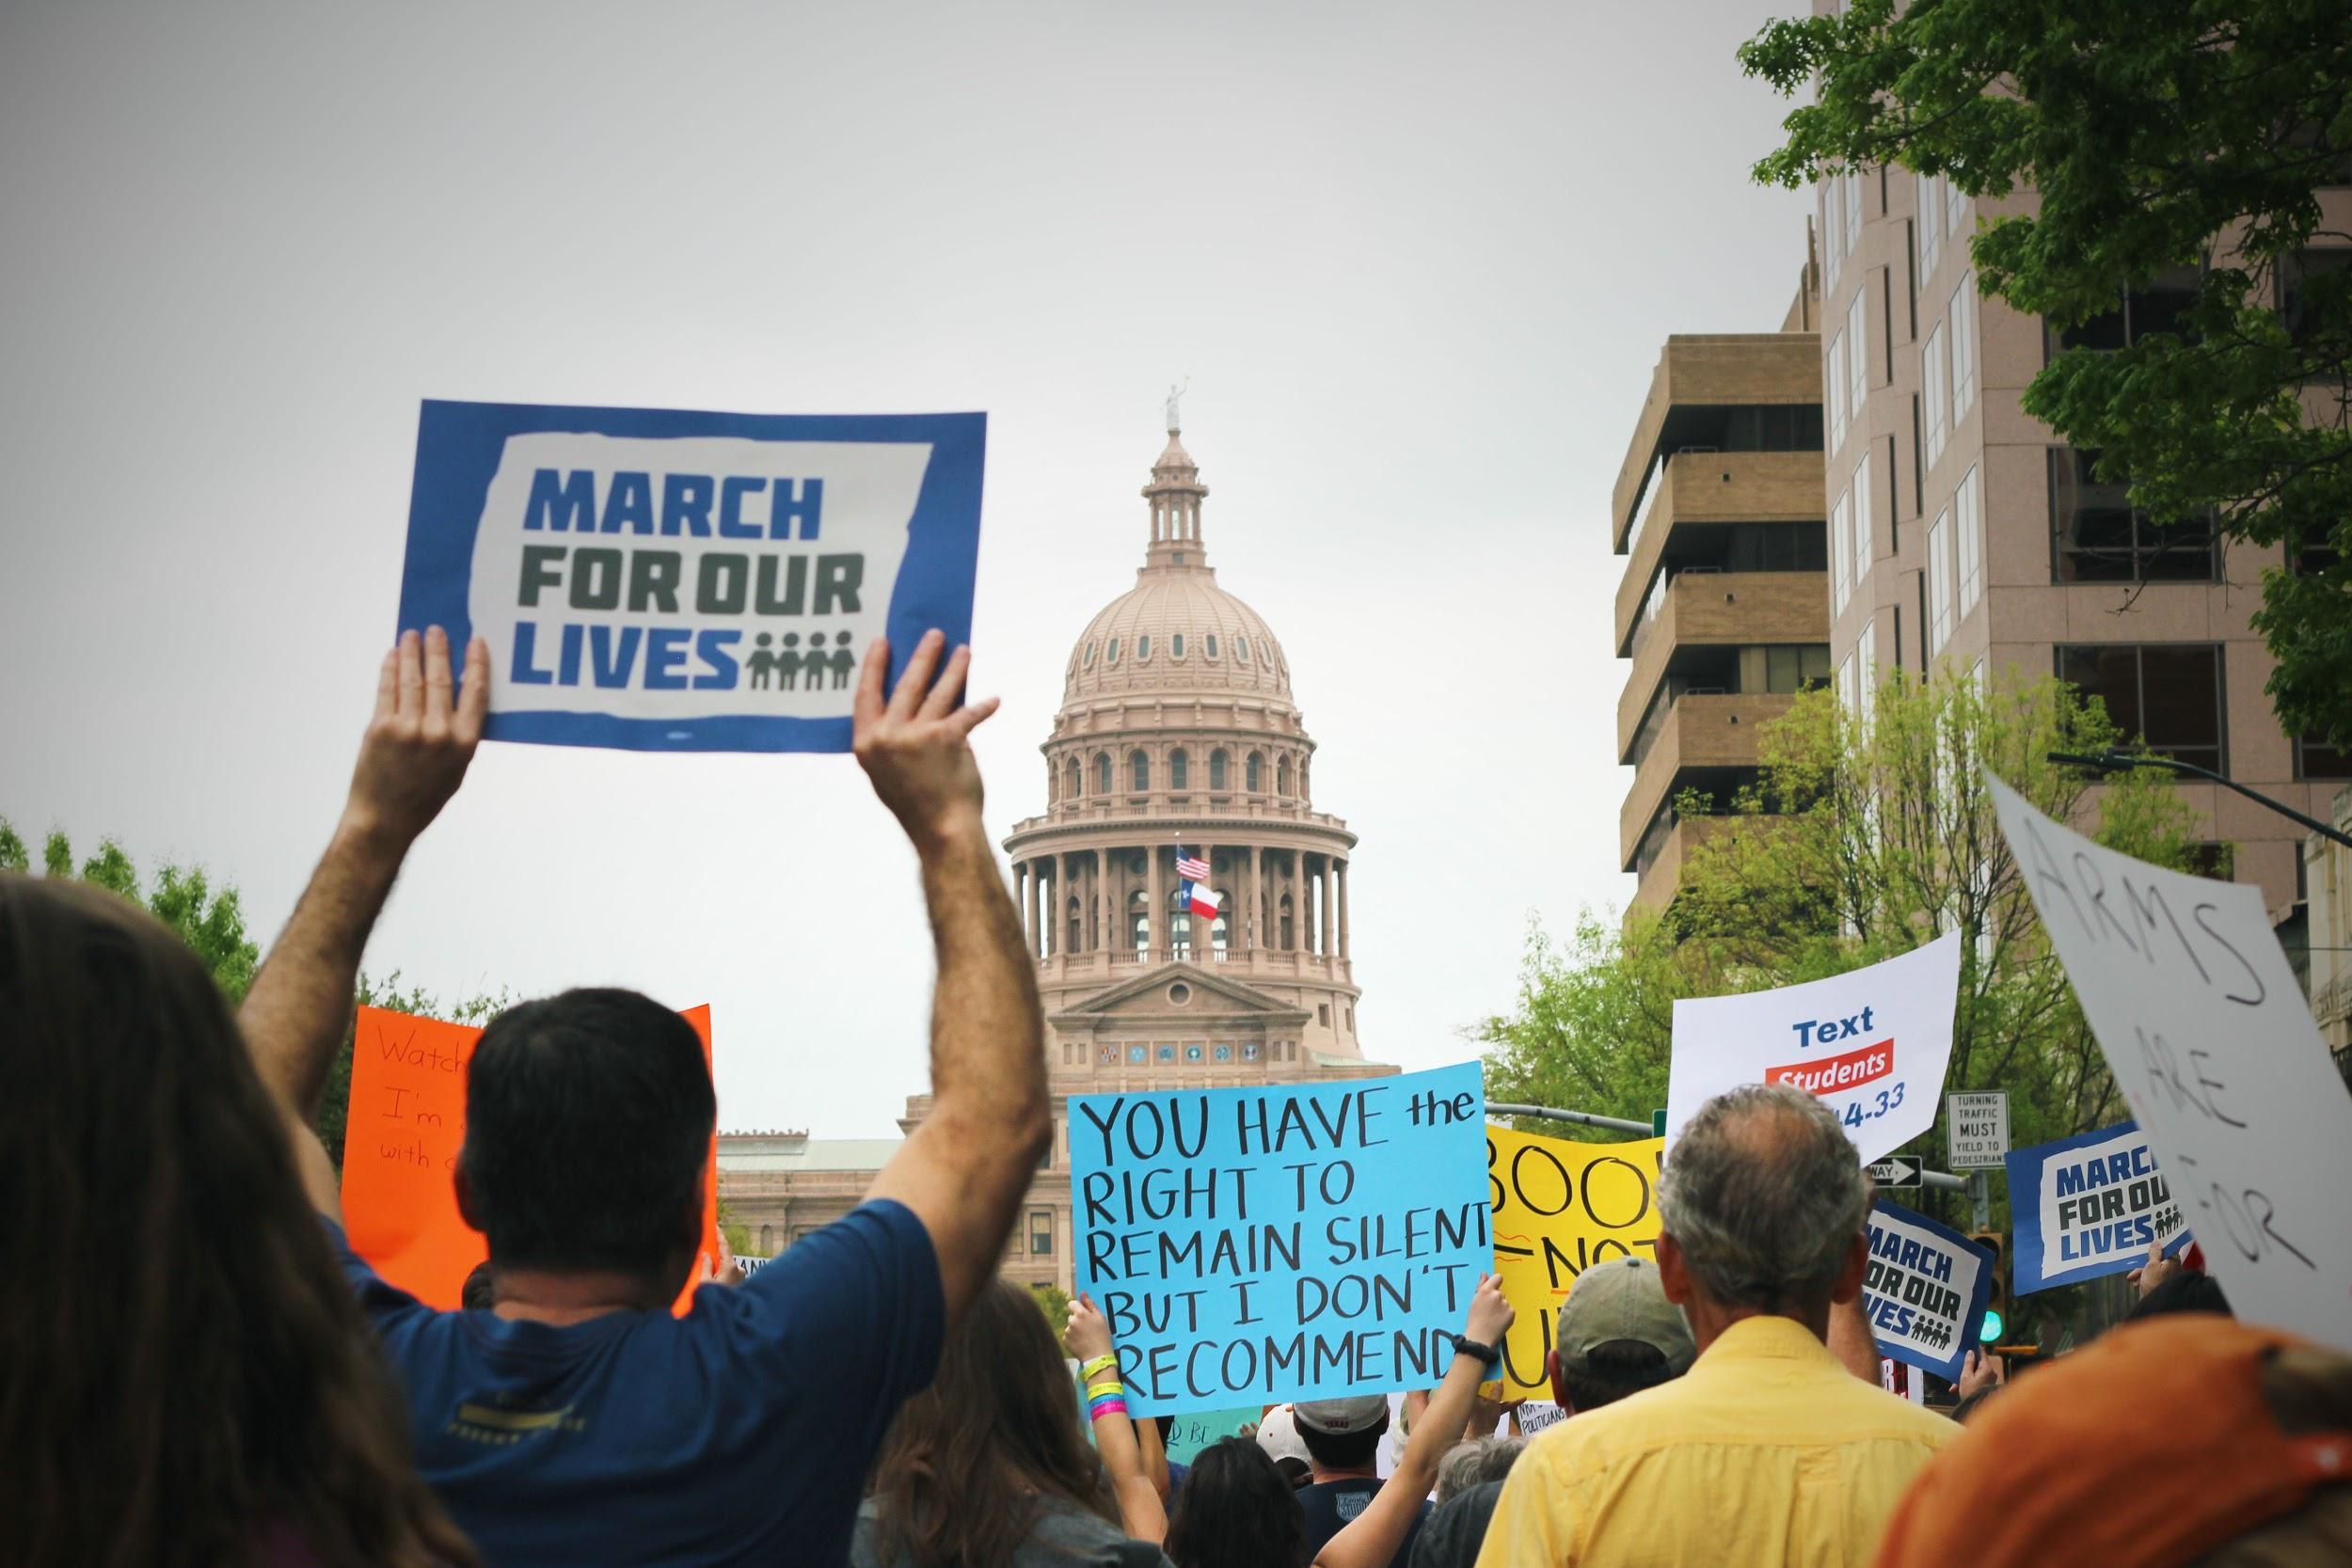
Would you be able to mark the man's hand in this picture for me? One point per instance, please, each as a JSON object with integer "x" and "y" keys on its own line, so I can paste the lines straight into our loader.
{"x": 1089, "y": 1334}
{"x": 2155, "y": 1271}
{"x": 1981, "y": 1370}
{"x": 1490, "y": 1315}
{"x": 916, "y": 746}
{"x": 419, "y": 739}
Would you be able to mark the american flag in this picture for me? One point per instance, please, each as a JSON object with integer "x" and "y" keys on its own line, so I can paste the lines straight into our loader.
{"x": 1191, "y": 870}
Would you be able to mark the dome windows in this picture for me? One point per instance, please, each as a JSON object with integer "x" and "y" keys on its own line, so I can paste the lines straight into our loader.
{"x": 1139, "y": 771}
{"x": 1102, "y": 781}
{"x": 1176, "y": 646}
{"x": 1143, "y": 645}
{"x": 1212, "y": 644}
{"x": 1179, "y": 770}
{"x": 1253, "y": 774}
{"x": 1077, "y": 779}
{"x": 1088, "y": 660}
{"x": 1113, "y": 656}
{"x": 1216, "y": 771}
{"x": 1240, "y": 649}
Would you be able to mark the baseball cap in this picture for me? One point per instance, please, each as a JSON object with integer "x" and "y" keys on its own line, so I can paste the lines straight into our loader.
{"x": 1338, "y": 1418}
{"x": 1278, "y": 1433}
{"x": 1621, "y": 1301}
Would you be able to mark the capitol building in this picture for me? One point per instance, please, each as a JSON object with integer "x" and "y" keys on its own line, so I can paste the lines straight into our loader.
{"x": 1178, "y": 735}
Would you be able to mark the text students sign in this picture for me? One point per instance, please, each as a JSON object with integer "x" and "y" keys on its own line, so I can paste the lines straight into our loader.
{"x": 2086, "y": 1206}
{"x": 1873, "y": 1043}
{"x": 663, "y": 580}
{"x": 2200, "y": 1019}
{"x": 1289, "y": 1242}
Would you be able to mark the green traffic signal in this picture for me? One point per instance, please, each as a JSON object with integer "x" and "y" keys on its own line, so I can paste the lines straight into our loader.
{"x": 1990, "y": 1330}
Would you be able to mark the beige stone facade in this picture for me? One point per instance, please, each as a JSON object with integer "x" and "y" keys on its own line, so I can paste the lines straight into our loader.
{"x": 1962, "y": 535}
{"x": 1720, "y": 610}
{"x": 2327, "y": 875}
{"x": 1178, "y": 737}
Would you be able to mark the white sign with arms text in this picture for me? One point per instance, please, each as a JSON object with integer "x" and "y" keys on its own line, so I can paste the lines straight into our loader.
{"x": 2209, "y": 1038}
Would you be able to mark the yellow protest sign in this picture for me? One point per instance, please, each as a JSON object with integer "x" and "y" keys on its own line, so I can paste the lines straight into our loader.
{"x": 1558, "y": 1207}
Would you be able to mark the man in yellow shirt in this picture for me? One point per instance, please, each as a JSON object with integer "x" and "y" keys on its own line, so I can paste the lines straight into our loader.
{"x": 1769, "y": 1450}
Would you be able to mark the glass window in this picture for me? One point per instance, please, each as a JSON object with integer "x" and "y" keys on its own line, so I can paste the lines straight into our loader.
{"x": 1857, "y": 337}
{"x": 2316, "y": 759}
{"x": 1076, "y": 776}
{"x": 1853, "y": 210}
{"x": 1968, "y": 540}
{"x": 2163, "y": 306}
{"x": 1251, "y": 770}
{"x": 2099, "y": 536}
{"x": 1212, "y": 644}
{"x": 1935, "y": 395}
{"x": 1114, "y": 651}
{"x": 1866, "y": 654}
{"x": 1939, "y": 583}
{"x": 1840, "y": 550}
{"x": 1143, "y": 646}
{"x": 1283, "y": 776}
{"x": 1088, "y": 660}
{"x": 1955, "y": 210}
{"x": 1139, "y": 771}
{"x": 1040, "y": 1232}
{"x": 2168, "y": 694}
{"x": 1792, "y": 666}
{"x": 1962, "y": 314}
{"x": 2298, "y": 317}
{"x": 1102, "y": 772}
{"x": 1240, "y": 649}
{"x": 1834, "y": 387}
{"x": 1865, "y": 535}
{"x": 1176, "y": 646}
{"x": 1930, "y": 188}
{"x": 1216, "y": 769}
{"x": 1179, "y": 770}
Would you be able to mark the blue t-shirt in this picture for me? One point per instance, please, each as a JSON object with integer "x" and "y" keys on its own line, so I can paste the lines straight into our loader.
{"x": 1331, "y": 1506}
{"x": 739, "y": 1432}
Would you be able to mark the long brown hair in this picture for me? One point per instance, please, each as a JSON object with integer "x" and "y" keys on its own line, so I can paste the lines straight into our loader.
{"x": 185, "y": 1376}
{"x": 964, "y": 1472}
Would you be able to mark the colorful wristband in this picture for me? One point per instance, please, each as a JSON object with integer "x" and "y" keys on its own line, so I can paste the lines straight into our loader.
{"x": 1108, "y": 1407}
{"x": 1098, "y": 1364}
{"x": 1106, "y": 1391}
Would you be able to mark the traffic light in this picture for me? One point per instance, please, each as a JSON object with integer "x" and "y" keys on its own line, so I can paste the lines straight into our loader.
{"x": 1996, "y": 1292}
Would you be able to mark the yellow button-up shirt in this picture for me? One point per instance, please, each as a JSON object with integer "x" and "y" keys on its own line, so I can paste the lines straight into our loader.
{"x": 1767, "y": 1451}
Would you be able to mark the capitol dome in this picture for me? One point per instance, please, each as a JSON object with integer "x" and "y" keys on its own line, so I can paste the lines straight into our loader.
{"x": 1176, "y": 631}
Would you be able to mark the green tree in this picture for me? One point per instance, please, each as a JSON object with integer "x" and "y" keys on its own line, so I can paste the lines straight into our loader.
{"x": 209, "y": 919}
{"x": 1054, "y": 1302}
{"x": 2153, "y": 137}
{"x": 739, "y": 1235}
{"x": 1864, "y": 837}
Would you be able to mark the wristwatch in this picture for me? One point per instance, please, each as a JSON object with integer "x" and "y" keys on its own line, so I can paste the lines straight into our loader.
{"x": 1464, "y": 1345}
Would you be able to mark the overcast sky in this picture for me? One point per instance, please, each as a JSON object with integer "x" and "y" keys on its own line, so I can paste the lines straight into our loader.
{"x": 1417, "y": 260}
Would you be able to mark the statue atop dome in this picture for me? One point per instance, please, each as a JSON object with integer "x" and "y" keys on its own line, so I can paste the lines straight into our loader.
{"x": 1175, "y": 421}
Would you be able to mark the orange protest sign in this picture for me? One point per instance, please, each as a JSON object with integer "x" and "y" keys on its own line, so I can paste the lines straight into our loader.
{"x": 405, "y": 1124}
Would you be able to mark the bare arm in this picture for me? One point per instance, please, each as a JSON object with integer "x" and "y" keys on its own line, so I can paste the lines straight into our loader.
{"x": 1142, "y": 1505}
{"x": 411, "y": 761}
{"x": 964, "y": 1171}
{"x": 1372, "y": 1539}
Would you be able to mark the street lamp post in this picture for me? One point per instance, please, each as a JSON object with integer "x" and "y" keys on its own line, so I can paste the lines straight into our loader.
{"x": 2116, "y": 762}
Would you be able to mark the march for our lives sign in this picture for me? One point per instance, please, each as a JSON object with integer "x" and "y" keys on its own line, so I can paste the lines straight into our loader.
{"x": 1925, "y": 1289}
{"x": 1288, "y": 1242}
{"x": 2089, "y": 1205}
{"x": 664, "y": 581}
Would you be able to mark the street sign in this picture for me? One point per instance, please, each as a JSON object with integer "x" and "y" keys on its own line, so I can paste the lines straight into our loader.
{"x": 1895, "y": 1171}
{"x": 1978, "y": 1125}
{"x": 1657, "y": 1124}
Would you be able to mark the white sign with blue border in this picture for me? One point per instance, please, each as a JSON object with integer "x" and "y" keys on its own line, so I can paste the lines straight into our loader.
{"x": 657, "y": 579}
{"x": 1925, "y": 1289}
{"x": 2087, "y": 1206}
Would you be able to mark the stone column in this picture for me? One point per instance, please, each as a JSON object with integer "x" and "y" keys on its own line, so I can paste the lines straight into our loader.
{"x": 1328, "y": 919}
{"x": 1020, "y": 897}
{"x": 1155, "y": 896}
{"x": 1346, "y": 950}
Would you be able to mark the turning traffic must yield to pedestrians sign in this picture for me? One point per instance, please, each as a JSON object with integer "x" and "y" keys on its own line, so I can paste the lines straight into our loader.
{"x": 1977, "y": 1128}
{"x": 1895, "y": 1171}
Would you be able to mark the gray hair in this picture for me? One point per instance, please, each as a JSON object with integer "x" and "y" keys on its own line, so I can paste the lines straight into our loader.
{"x": 1763, "y": 1195}
{"x": 1475, "y": 1462}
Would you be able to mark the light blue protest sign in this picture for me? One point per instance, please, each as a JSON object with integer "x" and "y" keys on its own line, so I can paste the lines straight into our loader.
{"x": 663, "y": 580}
{"x": 2087, "y": 1206}
{"x": 1925, "y": 1289}
{"x": 1289, "y": 1242}
{"x": 1195, "y": 1431}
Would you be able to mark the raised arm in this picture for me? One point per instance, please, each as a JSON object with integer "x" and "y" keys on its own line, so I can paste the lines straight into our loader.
{"x": 411, "y": 761}
{"x": 1142, "y": 1503}
{"x": 964, "y": 1172}
{"x": 1372, "y": 1539}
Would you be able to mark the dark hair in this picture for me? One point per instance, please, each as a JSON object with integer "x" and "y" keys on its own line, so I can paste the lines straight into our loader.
{"x": 966, "y": 1466}
{"x": 187, "y": 1376}
{"x": 1236, "y": 1511}
{"x": 476, "y": 1294}
{"x": 2186, "y": 1291}
{"x": 1457, "y": 1528}
{"x": 588, "y": 1122}
{"x": 1612, "y": 1371}
{"x": 1347, "y": 1450}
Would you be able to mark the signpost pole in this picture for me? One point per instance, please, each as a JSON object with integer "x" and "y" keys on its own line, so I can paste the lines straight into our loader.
{"x": 1980, "y": 1199}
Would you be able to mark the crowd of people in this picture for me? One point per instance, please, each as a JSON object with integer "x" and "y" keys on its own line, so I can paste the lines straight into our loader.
{"x": 196, "y": 1368}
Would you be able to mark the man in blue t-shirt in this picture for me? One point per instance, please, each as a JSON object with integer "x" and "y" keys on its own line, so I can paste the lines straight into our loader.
{"x": 1343, "y": 1438}
{"x": 577, "y": 1420}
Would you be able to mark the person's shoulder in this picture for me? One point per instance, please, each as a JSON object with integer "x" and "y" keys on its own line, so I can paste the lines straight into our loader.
{"x": 1065, "y": 1533}
{"x": 1866, "y": 1410}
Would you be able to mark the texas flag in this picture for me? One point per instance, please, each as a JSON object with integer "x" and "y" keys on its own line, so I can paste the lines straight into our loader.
{"x": 1202, "y": 900}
